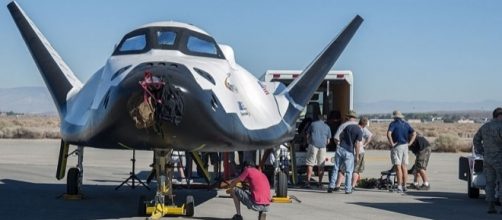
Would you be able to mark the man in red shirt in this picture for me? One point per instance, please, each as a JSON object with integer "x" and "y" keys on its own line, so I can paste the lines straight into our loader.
{"x": 257, "y": 197}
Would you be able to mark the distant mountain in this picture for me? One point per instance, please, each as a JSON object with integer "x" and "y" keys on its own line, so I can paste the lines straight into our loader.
{"x": 424, "y": 106}
{"x": 33, "y": 100}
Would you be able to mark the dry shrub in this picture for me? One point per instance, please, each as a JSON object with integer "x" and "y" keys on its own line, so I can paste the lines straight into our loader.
{"x": 465, "y": 145}
{"x": 31, "y": 127}
{"x": 379, "y": 142}
{"x": 447, "y": 143}
{"x": 445, "y": 137}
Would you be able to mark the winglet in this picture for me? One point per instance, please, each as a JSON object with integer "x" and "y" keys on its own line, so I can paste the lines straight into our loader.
{"x": 302, "y": 89}
{"x": 57, "y": 75}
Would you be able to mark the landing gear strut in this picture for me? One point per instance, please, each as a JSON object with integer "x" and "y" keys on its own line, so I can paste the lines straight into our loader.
{"x": 163, "y": 202}
{"x": 75, "y": 174}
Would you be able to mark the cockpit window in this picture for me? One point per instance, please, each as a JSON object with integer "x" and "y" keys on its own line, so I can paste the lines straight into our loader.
{"x": 198, "y": 45}
{"x": 166, "y": 38}
{"x": 133, "y": 43}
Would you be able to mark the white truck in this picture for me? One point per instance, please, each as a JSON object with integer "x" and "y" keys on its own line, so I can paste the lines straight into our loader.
{"x": 334, "y": 94}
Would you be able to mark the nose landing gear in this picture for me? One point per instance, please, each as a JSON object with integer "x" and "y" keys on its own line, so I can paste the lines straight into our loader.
{"x": 163, "y": 202}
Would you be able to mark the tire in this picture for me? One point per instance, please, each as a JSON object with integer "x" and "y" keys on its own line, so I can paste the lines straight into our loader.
{"x": 472, "y": 192}
{"x": 72, "y": 181}
{"x": 189, "y": 206}
{"x": 282, "y": 185}
{"x": 142, "y": 206}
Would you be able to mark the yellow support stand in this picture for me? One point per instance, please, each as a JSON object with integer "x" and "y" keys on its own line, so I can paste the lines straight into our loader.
{"x": 162, "y": 210}
{"x": 286, "y": 199}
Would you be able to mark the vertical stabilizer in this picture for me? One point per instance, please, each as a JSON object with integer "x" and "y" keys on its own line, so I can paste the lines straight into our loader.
{"x": 57, "y": 75}
{"x": 302, "y": 89}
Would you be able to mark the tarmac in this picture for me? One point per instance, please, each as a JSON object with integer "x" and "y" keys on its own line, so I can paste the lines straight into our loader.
{"x": 29, "y": 190}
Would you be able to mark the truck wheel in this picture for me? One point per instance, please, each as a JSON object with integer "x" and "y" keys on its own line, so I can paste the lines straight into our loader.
{"x": 282, "y": 185}
{"x": 472, "y": 192}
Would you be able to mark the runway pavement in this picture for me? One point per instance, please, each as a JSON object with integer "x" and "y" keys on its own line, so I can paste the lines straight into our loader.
{"x": 29, "y": 190}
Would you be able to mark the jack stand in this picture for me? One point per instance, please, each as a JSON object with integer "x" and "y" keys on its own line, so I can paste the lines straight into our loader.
{"x": 159, "y": 207}
{"x": 286, "y": 199}
{"x": 133, "y": 176}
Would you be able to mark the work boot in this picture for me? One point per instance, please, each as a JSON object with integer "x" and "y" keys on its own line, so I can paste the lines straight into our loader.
{"x": 262, "y": 216}
{"x": 491, "y": 208}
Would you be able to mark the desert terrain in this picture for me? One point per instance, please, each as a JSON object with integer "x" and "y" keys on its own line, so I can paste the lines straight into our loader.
{"x": 444, "y": 137}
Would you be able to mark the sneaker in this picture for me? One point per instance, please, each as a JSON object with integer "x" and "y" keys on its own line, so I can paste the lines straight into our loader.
{"x": 424, "y": 187}
{"x": 336, "y": 189}
{"x": 330, "y": 190}
{"x": 405, "y": 189}
{"x": 348, "y": 192}
{"x": 237, "y": 217}
{"x": 399, "y": 191}
{"x": 413, "y": 186}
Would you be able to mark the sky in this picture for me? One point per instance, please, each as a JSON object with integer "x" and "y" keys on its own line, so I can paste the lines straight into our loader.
{"x": 405, "y": 50}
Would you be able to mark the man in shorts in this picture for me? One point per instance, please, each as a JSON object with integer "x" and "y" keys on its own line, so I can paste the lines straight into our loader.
{"x": 257, "y": 197}
{"x": 422, "y": 150}
{"x": 318, "y": 135}
{"x": 359, "y": 167}
{"x": 400, "y": 135}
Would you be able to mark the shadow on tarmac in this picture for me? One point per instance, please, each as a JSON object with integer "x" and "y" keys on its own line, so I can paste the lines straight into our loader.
{"x": 28, "y": 200}
{"x": 453, "y": 206}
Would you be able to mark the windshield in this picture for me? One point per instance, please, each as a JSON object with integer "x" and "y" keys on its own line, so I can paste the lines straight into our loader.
{"x": 198, "y": 45}
{"x": 134, "y": 43}
{"x": 166, "y": 38}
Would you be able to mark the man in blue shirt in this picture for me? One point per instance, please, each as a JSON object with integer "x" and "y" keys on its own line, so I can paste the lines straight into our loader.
{"x": 400, "y": 135}
{"x": 318, "y": 135}
{"x": 347, "y": 153}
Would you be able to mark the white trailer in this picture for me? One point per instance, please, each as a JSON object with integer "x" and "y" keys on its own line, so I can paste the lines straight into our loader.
{"x": 334, "y": 94}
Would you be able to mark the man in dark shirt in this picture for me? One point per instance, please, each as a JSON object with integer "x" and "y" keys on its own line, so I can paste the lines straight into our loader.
{"x": 347, "y": 154}
{"x": 421, "y": 149}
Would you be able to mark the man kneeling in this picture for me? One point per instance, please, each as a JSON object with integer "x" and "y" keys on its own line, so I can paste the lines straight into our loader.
{"x": 257, "y": 197}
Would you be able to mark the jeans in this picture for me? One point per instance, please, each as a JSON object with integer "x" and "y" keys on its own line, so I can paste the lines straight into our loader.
{"x": 343, "y": 157}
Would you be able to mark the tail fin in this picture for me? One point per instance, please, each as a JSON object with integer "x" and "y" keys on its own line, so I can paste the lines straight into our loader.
{"x": 302, "y": 89}
{"x": 57, "y": 75}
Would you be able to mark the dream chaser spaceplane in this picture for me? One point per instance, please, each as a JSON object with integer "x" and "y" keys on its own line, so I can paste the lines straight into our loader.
{"x": 170, "y": 85}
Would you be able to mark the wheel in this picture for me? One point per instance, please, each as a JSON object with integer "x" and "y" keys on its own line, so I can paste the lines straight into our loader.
{"x": 472, "y": 192}
{"x": 72, "y": 181}
{"x": 141, "y": 206}
{"x": 282, "y": 185}
{"x": 189, "y": 206}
